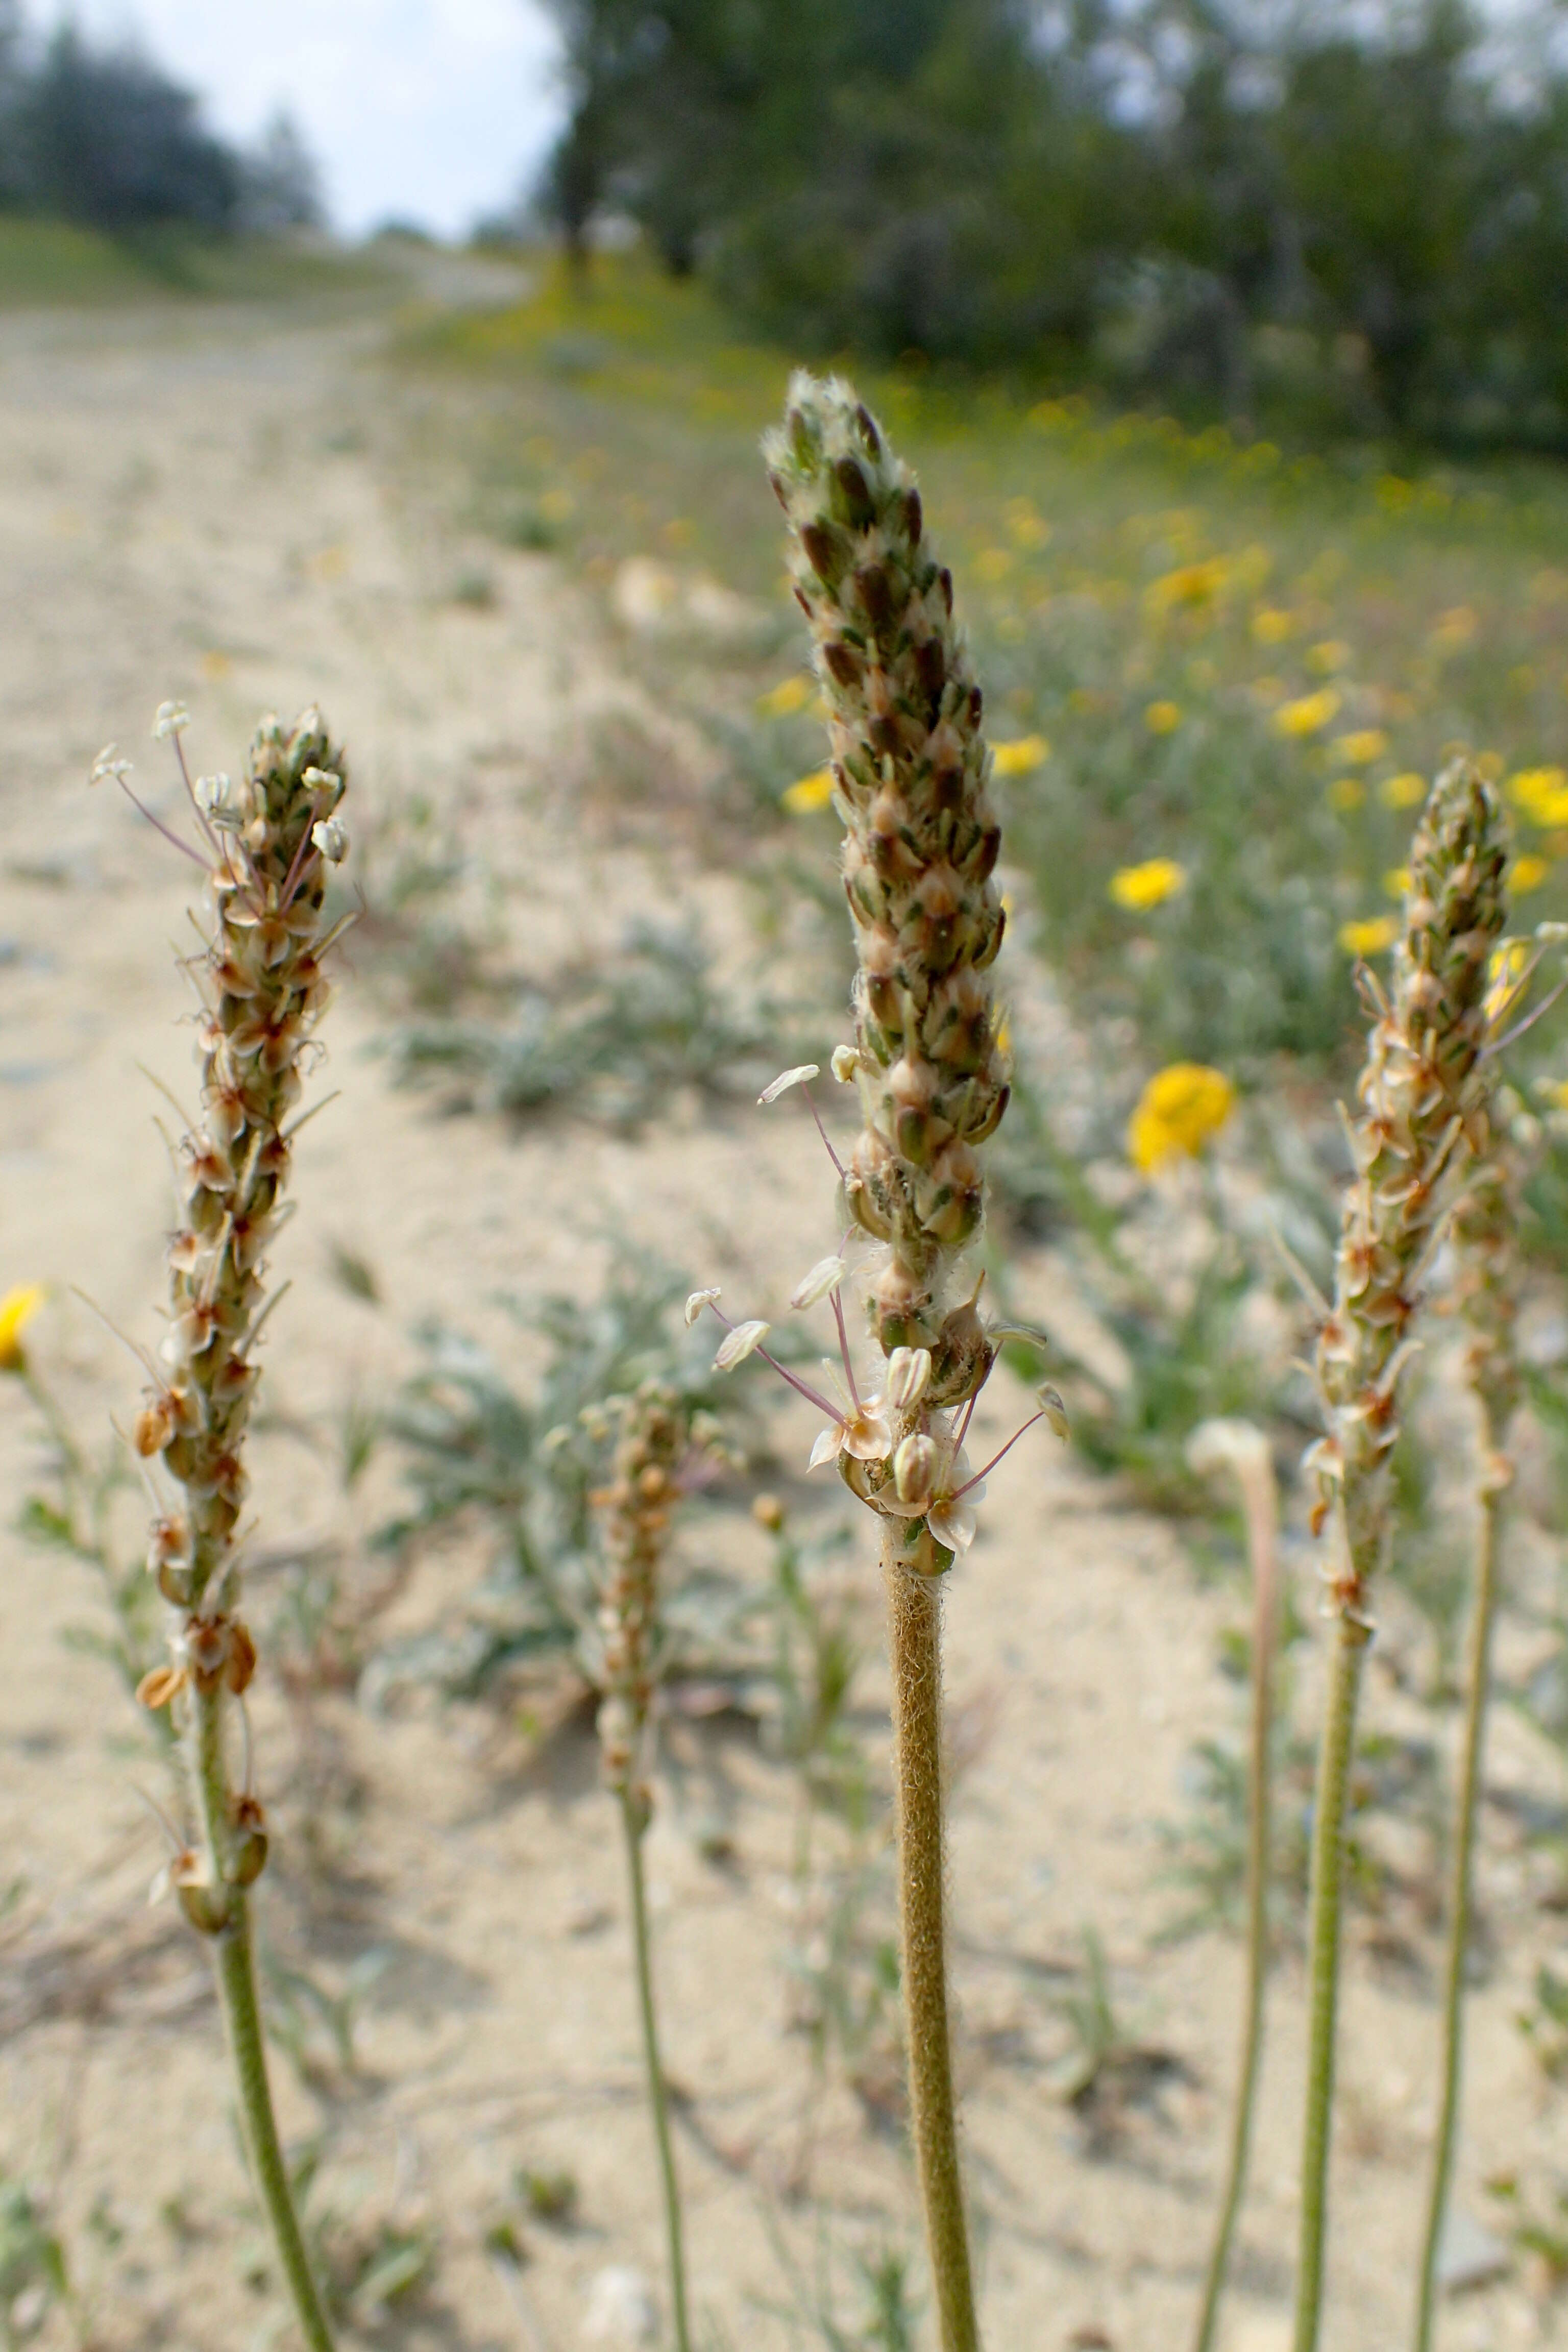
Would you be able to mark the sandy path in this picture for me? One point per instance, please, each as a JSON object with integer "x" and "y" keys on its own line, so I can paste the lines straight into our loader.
{"x": 216, "y": 508}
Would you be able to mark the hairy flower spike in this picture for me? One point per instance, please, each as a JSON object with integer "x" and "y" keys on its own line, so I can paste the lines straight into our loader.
{"x": 1423, "y": 1099}
{"x": 1422, "y": 1104}
{"x": 262, "y": 982}
{"x": 910, "y": 768}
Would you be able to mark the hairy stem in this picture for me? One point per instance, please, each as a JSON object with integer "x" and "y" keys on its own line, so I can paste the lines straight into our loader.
{"x": 1323, "y": 1965}
{"x": 914, "y": 1644}
{"x": 237, "y": 1981}
{"x": 658, "y": 2098}
{"x": 1260, "y": 1517}
{"x": 242, "y": 2017}
{"x": 1476, "y": 1678}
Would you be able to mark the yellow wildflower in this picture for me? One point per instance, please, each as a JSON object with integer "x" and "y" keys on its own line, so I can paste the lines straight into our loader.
{"x": 1140, "y": 887}
{"x": 17, "y": 1309}
{"x": 1021, "y": 758}
{"x": 812, "y": 792}
{"x": 1396, "y": 881}
{"x": 1329, "y": 654}
{"x": 1346, "y": 792}
{"x": 1308, "y": 714}
{"x": 1179, "y": 1109}
{"x": 1271, "y": 624}
{"x": 1361, "y": 748}
{"x": 993, "y": 563}
{"x": 1370, "y": 936}
{"x": 1528, "y": 873}
{"x": 1403, "y": 790}
{"x": 1162, "y": 717}
{"x": 791, "y": 694}
{"x": 1541, "y": 793}
{"x": 1193, "y": 585}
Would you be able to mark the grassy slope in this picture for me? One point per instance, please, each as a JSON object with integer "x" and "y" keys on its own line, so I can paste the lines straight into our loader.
{"x": 52, "y": 264}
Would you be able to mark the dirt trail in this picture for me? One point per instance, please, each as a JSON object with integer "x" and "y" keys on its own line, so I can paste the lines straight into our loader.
{"x": 218, "y": 508}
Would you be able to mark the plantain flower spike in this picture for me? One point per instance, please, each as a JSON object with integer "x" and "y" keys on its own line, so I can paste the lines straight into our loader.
{"x": 263, "y": 991}
{"x": 1421, "y": 1105}
{"x": 910, "y": 768}
{"x": 1423, "y": 1111}
{"x": 653, "y": 1447}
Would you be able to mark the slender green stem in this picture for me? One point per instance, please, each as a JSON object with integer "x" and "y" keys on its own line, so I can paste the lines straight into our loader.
{"x": 242, "y": 2016}
{"x": 1323, "y": 1965}
{"x": 1258, "y": 1491}
{"x": 237, "y": 1979}
{"x": 914, "y": 1644}
{"x": 658, "y": 2098}
{"x": 1461, "y": 1873}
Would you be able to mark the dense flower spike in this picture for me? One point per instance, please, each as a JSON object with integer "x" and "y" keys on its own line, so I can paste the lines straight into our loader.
{"x": 663, "y": 1449}
{"x": 263, "y": 991}
{"x": 266, "y": 841}
{"x": 661, "y": 1452}
{"x": 910, "y": 767}
{"x": 1423, "y": 1109}
{"x": 1423, "y": 1106}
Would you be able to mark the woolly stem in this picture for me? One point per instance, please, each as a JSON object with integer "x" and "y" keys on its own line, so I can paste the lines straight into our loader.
{"x": 242, "y": 2017}
{"x": 914, "y": 1646}
{"x": 1461, "y": 1873}
{"x": 1323, "y": 1965}
{"x": 658, "y": 2098}
{"x": 1258, "y": 1497}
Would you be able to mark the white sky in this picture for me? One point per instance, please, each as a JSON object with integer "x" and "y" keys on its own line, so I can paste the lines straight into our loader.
{"x": 430, "y": 110}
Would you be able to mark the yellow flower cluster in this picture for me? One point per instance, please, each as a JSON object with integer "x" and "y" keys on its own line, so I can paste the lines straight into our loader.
{"x": 1541, "y": 793}
{"x": 1178, "y": 1110}
{"x": 1139, "y": 887}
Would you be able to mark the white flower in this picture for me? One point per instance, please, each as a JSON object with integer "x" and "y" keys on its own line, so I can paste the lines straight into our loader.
{"x": 331, "y": 838}
{"x": 825, "y": 1275}
{"x": 847, "y": 1060}
{"x": 697, "y": 1302}
{"x": 107, "y": 768}
{"x": 950, "y": 1513}
{"x": 173, "y": 717}
{"x": 1055, "y": 1410}
{"x": 864, "y": 1433}
{"x": 324, "y": 783}
{"x": 909, "y": 1376}
{"x": 738, "y": 1344}
{"x": 222, "y": 803}
{"x": 796, "y": 1078}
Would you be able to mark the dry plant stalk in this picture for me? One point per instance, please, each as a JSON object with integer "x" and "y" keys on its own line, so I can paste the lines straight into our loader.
{"x": 661, "y": 1452}
{"x": 1422, "y": 1104}
{"x": 1485, "y": 1230}
{"x": 270, "y": 841}
{"x": 1240, "y": 1447}
{"x": 910, "y": 769}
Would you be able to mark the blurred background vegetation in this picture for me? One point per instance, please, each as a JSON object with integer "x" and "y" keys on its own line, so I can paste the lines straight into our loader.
{"x": 101, "y": 136}
{"x": 1353, "y": 215}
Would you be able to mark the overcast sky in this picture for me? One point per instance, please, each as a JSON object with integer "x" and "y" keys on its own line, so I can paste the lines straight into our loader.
{"x": 434, "y": 109}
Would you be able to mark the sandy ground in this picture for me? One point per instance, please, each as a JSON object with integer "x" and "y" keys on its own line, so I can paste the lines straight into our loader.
{"x": 211, "y": 507}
